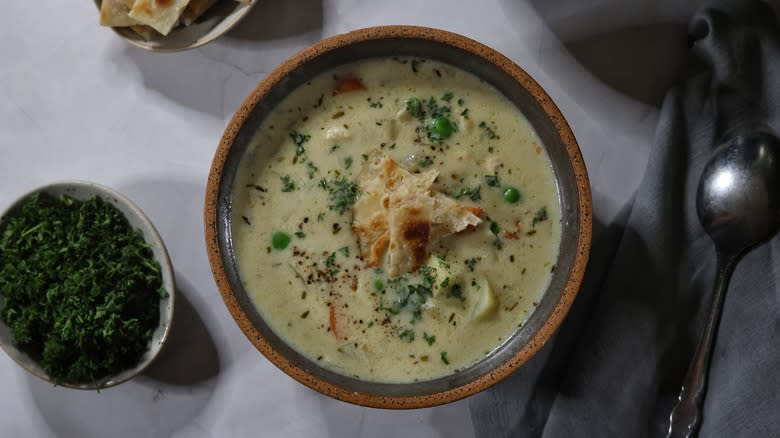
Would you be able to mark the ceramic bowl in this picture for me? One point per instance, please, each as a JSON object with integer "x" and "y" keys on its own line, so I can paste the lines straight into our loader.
{"x": 491, "y": 67}
{"x": 83, "y": 190}
{"x": 215, "y": 22}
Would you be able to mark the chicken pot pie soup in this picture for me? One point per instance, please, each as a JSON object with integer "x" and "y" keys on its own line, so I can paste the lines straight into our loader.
{"x": 395, "y": 219}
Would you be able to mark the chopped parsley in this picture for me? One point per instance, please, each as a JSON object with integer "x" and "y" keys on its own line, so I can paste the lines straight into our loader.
{"x": 456, "y": 291}
{"x": 415, "y": 108}
{"x": 408, "y": 335}
{"x": 428, "y": 275}
{"x": 312, "y": 169}
{"x": 473, "y": 194}
{"x": 344, "y": 250}
{"x": 376, "y": 104}
{"x": 495, "y": 229}
{"x": 80, "y": 287}
{"x": 426, "y": 162}
{"x": 444, "y": 358}
{"x": 492, "y": 180}
{"x": 330, "y": 263}
{"x": 540, "y": 216}
{"x": 416, "y": 64}
{"x": 347, "y": 162}
{"x": 489, "y": 131}
{"x": 412, "y": 296}
{"x": 342, "y": 193}
{"x": 447, "y": 97}
{"x": 435, "y": 110}
{"x": 287, "y": 184}
{"x": 299, "y": 140}
{"x": 471, "y": 263}
{"x": 429, "y": 339}
{"x": 300, "y": 234}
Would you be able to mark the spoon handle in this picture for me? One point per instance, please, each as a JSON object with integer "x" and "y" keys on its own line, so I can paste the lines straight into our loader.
{"x": 686, "y": 415}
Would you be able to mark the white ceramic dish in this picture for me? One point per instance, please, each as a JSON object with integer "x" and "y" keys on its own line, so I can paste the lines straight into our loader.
{"x": 214, "y": 23}
{"x": 83, "y": 190}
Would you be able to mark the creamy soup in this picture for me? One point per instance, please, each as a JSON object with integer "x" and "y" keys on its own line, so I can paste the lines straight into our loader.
{"x": 396, "y": 219}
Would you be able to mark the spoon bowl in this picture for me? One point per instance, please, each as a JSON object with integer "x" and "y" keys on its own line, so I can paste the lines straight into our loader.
{"x": 738, "y": 199}
{"x": 738, "y": 204}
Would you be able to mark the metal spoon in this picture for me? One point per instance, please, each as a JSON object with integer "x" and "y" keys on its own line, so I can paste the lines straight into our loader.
{"x": 738, "y": 203}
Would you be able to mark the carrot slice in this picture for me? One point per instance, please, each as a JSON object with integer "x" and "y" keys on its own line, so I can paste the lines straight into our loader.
{"x": 511, "y": 235}
{"x": 347, "y": 84}
{"x": 476, "y": 211}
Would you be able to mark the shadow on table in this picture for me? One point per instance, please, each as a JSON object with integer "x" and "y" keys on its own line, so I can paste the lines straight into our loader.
{"x": 212, "y": 79}
{"x": 342, "y": 419}
{"x": 169, "y": 395}
{"x": 189, "y": 356}
{"x": 275, "y": 19}
{"x": 174, "y": 390}
{"x": 185, "y": 78}
{"x": 626, "y": 44}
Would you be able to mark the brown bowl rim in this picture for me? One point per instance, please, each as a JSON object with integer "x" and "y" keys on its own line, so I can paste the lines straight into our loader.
{"x": 584, "y": 205}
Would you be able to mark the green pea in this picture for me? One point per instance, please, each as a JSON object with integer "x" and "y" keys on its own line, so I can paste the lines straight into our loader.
{"x": 414, "y": 106}
{"x": 511, "y": 195}
{"x": 378, "y": 285}
{"x": 441, "y": 128}
{"x": 280, "y": 240}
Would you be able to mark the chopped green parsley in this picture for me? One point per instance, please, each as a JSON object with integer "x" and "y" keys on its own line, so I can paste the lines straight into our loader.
{"x": 342, "y": 193}
{"x": 287, "y": 184}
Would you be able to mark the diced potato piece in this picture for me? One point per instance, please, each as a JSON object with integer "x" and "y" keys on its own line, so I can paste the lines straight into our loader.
{"x": 465, "y": 125}
{"x": 337, "y": 133}
{"x": 403, "y": 115}
{"x": 492, "y": 165}
{"x": 447, "y": 275}
{"x": 487, "y": 302}
{"x": 392, "y": 129}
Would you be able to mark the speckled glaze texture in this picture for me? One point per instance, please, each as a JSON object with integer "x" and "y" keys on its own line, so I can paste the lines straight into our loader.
{"x": 571, "y": 177}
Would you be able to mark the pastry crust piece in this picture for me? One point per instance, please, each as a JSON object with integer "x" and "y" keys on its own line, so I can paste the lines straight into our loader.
{"x": 162, "y": 15}
{"x": 194, "y": 10}
{"x": 115, "y": 13}
{"x": 399, "y": 215}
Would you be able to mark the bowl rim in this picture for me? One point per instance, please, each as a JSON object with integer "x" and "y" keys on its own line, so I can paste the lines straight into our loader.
{"x": 165, "y": 265}
{"x": 208, "y": 37}
{"x": 563, "y": 304}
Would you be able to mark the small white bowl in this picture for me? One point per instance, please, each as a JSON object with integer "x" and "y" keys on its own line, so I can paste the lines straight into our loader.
{"x": 215, "y": 22}
{"x": 83, "y": 190}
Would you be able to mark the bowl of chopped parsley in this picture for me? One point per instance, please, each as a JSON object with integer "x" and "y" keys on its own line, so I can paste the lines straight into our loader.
{"x": 86, "y": 286}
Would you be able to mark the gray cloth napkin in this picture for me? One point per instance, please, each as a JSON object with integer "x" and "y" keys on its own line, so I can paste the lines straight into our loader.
{"x": 615, "y": 367}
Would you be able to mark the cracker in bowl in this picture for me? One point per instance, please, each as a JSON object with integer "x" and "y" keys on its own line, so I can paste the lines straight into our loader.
{"x": 150, "y": 18}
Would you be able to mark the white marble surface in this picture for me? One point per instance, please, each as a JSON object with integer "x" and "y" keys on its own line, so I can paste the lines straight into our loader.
{"x": 78, "y": 102}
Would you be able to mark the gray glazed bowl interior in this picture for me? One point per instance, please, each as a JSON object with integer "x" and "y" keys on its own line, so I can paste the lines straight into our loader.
{"x": 83, "y": 190}
{"x": 490, "y": 73}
